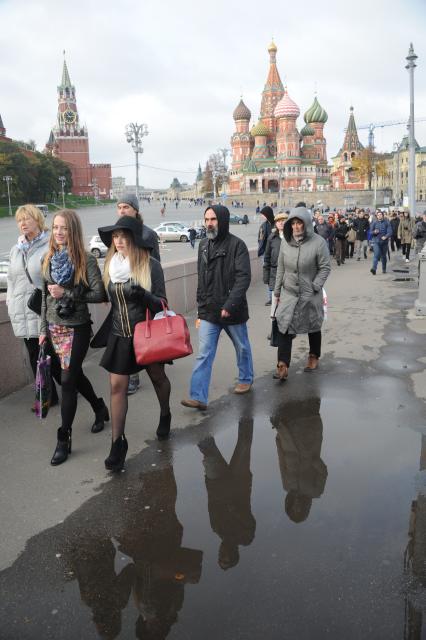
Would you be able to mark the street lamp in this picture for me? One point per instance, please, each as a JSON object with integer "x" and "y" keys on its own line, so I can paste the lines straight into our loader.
{"x": 215, "y": 175}
{"x": 8, "y": 180}
{"x": 62, "y": 180}
{"x": 396, "y": 149}
{"x": 134, "y": 134}
{"x": 410, "y": 66}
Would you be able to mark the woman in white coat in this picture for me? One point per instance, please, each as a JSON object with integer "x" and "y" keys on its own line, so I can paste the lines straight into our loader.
{"x": 24, "y": 275}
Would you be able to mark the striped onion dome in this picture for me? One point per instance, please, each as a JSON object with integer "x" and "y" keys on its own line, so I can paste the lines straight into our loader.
{"x": 286, "y": 107}
{"x": 316, "y": 113}
{"x": 241, "y": 112}
{"x": 307, "y": 130}
{"x": 260, "y": 130}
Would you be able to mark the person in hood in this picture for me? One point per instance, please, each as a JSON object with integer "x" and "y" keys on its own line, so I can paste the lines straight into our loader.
{"x": 223, "y": 279}
{"x": 265, "y": 230}
{"x": 303, "y": 268}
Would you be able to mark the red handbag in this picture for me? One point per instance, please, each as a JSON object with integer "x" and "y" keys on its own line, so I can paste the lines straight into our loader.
{"x": 161, "y": 340}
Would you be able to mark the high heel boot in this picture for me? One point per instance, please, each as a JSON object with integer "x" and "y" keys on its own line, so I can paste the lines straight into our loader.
{"x": 101, "y": 416}
{"x": 163, "y": 429}
{"x": 117, "y": 455}
{"x": 63, "y": 447}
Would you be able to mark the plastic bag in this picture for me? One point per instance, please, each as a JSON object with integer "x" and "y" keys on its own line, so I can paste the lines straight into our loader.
{"x": 43, "y": 384}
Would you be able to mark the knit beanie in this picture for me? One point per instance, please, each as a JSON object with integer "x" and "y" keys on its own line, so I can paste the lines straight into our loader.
{"x": 269, "y": 214}
{"x": 131, "y": 199}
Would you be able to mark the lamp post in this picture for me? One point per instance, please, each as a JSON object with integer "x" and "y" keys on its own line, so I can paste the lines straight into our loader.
{"x": 8, "y": 180}
{"x": 62, "y": 180}
{"x": 410, "y": 66}
{"x": 134, "y": 134}
{"x": 397, "y": 187}
{"x": 215, "y": 175}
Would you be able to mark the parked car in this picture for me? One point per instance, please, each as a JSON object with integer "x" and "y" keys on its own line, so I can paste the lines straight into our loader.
{"x": 4, "y": 266}
{"x": 169, "y": 232}
{"x": 97, "y": 247}
{"x": 235, "y": 219}
{"x": 43, "y": 208}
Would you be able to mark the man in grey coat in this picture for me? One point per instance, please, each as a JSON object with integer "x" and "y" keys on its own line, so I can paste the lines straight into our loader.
{"x": 303, "y": 268}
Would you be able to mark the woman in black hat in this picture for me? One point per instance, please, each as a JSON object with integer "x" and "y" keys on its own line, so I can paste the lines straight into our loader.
{"x": 134, "y": 282}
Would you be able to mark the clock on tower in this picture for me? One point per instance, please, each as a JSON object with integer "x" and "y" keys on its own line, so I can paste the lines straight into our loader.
{"x": 69, "y": 116}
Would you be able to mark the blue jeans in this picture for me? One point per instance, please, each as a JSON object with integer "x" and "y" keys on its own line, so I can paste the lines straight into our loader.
{"x": 380, "y": 254}
{"x": 208, "y": 338}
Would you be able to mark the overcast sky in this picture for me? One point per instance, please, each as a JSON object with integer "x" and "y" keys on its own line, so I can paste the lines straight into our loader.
{"x": 181, "y": 67}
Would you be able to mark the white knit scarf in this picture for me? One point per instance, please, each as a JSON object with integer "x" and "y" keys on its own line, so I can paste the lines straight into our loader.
{"x": 119, "y": 268}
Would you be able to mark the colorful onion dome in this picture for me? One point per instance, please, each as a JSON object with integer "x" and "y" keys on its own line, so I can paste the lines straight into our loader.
{"x": 272, "y": 47}
{"x": 260, "y": 130}
{"x": 286, "y": 107}
{"x": 241, "y": 112}
{"x": 307, "y": 130}
{"x": 315, "y": 113}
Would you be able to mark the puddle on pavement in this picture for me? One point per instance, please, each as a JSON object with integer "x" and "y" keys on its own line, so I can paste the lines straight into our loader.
{"x": 297, "y": 511}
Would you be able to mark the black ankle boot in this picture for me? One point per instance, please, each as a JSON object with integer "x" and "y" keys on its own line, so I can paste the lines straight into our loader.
{"x": 117, "y": 455}
{"x": 101, "y": 416}
{"x": 63, "y": 447}
{"x": 163, "y": 428}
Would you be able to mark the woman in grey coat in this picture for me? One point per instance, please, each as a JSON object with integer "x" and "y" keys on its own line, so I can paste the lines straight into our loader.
{"x": 303, "y": 268}
{"x": 24, "y": 274}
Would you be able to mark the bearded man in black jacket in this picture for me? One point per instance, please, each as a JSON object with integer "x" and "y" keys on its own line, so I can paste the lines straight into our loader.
{"x": 223, "y": 279}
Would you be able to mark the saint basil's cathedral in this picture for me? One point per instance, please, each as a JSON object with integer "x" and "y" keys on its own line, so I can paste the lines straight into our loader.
{"x": 273, "y": 149}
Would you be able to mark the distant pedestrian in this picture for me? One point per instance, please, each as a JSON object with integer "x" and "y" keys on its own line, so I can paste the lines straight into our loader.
{"x": 341, "y": 232}
{"x": 270, "y": 258}
{"x": 192, "y": 236}
{"x": 262, "y": 238}
{"x": 223, "y": 279}
{"x": 361, "y": 225}
{"x": 381, "y": 232}
{"x": 405, "y": 234}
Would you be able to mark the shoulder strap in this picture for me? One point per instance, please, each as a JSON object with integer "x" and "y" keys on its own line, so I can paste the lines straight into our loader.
{"x": 26, "y": 270}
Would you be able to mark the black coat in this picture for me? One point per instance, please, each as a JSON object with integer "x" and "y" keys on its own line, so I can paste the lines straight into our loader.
{"x": 129, "y": 301}
{"x": 270, "y": 259}
{"x": 224, "y": 275}
{"x": 361, "y": 226}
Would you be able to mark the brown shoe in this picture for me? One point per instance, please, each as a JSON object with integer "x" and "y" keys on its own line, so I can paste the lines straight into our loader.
{"x": 312, "y": 364}
{"x": 242, "y": 388}
{"x": 194, "y": 404}
{"x": 282, "y": 371}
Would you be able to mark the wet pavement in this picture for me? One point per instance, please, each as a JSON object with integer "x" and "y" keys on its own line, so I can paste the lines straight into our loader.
{"x": 297, "y": 511}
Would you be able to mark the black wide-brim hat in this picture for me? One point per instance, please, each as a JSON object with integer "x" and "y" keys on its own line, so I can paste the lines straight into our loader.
{"x": 133, "y": 225}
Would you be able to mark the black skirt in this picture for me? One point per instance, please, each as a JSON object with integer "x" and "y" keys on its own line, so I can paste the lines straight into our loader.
{"x": 119, "y": 356}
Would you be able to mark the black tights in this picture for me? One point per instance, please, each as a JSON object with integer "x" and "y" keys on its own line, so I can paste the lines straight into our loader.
{"x": 406, "y": 247}
{"x": 285, "y": 341}
{"x": 74, "y": 381}
{"x": 119, "y": 402}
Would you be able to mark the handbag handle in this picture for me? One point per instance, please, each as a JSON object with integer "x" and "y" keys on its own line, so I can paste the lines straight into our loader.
{"x": 148, "y": 320}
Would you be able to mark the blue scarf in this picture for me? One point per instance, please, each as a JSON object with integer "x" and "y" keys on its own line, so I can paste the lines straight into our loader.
{"x": 25, "y": 245}
{"x": 61, "y": 267}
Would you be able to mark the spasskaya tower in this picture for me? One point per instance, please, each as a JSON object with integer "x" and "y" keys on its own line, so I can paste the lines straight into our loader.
{"x": 69, "y": 141}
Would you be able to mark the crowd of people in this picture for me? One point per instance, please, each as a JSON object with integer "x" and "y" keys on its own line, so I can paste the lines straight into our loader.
{"x": 296, "y": 247}
{"x": 354, "y": 234}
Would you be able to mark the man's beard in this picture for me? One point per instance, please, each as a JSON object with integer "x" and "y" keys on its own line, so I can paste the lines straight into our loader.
{"x": 211, "y": 234}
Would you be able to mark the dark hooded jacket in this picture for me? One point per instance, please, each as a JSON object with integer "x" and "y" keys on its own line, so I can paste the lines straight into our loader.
{"x": 265, "y": 230}
{"x": 224, "y": 274}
